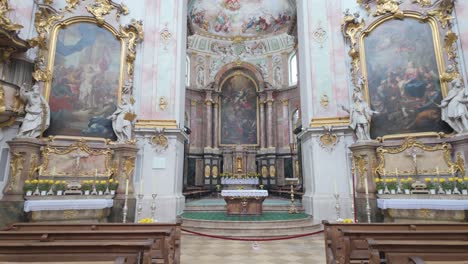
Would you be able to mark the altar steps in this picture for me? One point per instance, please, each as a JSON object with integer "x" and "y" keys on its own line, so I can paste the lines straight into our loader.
{"x": 276, "y": 228}
{"x": 222, "y": 208}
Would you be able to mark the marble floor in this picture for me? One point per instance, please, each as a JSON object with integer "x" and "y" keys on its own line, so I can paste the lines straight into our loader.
{"x": 204, "y": 250}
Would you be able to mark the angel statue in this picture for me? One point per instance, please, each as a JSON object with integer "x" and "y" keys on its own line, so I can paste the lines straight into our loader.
{"x": 453, "y": 106}
{"x": 122, "y": 120}
{"x": 360, "y": 115}
{"x": 37, "y": 118}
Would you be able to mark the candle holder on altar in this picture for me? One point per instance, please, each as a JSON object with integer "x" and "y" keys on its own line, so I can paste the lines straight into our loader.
{"x": 292, "y": 208}
{"x": 125, "y": 209}
{"x": 338, "y": 207}
{"x": 139, "y": 207}
{"x": 153, "y": 206}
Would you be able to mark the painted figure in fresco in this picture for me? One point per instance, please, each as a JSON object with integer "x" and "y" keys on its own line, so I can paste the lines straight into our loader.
{"x": 122, "y": 121}
{"x": 37, "y": 116}
{"x": 454, "y": 110}
{"x": 223, "y": 23}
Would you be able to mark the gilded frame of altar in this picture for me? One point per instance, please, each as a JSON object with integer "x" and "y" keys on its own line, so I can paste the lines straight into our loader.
{"x": 237, "y": 73}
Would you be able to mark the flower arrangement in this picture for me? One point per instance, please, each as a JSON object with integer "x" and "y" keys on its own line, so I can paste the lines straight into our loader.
{"x": 146, "y": 221}
{"x": 347, "y": 221}
{"x": 406, "y": 183}
{"x": 459, "y": 183}
{"x": 465, "y": 183}
{"x": 44, "y": 185}
{"x": 391, "y": 184}
{"x": 430, "y": 184}
{"x": 101, "y": 186}
{"x": 446, "y": 185}
{"x": 30, "y": 185}
{"x": 87, "y": 185}
{"x": 379, "y": 184}
{"x": 60, "y": 185}
{"x": 113, "y": 184}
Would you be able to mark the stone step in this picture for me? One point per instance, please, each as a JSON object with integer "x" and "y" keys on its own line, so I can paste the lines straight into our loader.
{"x": 253, "y": 228}
{"x": 218, "y": 208}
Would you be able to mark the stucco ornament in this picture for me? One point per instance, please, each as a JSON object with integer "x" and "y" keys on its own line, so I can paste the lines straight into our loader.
{"x": 454, "y": 110}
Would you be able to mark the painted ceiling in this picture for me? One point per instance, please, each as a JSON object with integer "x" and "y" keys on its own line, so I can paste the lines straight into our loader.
{"x": 244, "y": 18}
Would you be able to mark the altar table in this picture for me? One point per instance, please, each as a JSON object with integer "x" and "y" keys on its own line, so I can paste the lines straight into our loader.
{"x": 244, "y": 202}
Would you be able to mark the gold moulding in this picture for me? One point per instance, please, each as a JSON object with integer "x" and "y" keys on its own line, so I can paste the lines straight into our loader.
{"x": 156, "y": 123}
{"x": 332, "y": 121}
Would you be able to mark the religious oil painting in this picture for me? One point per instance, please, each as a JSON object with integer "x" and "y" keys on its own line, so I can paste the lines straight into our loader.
{"x": 238, "y": 111}
{"x": 85, "y": 86}
{"x": 403, "y": 78}
{"x": 76, "y": 163}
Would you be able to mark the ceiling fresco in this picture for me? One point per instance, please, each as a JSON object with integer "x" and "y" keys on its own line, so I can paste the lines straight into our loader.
{"x": 245, "y": 18}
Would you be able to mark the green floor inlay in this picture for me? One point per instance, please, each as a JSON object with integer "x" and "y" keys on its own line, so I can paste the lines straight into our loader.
{"x": 266, "y": 216}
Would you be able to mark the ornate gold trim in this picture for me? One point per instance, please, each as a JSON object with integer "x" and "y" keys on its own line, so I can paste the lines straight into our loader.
{"x": 329, "y": 121}
{"x": 101, "y": 8}
{"x": 410, "y": 142}
{"x": 141, "y": 123}
{"x": 438, "y": 135}
{"x": 16, "y": 167}
{"x": 5, "y": 22}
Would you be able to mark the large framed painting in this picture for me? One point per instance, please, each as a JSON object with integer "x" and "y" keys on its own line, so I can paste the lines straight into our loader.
{"x": 402, "y": 66}
{"x": 239, "y": 115}
{"x": 87, "y": 67}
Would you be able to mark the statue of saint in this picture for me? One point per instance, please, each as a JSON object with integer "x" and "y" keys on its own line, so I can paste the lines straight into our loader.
{"x": 360, "y": 115}
{"x": 37, "y": 118}
{"x": 453, "y": 106}
{"x": 122, "y": 121}
{"x": 239, "y": 165}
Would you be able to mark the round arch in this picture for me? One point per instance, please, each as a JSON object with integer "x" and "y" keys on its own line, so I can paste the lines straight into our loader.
{"x": 233, "y": 66}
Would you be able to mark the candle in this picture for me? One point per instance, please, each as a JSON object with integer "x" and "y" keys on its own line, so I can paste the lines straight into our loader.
{"x": 437, "y": 171}
{"x": 396, "y": 172}
{"x": 126, "y": 187}
{"x": 95, "y": 172}
{"x": 53, "y": 171}
{"x": 351, "y": 179}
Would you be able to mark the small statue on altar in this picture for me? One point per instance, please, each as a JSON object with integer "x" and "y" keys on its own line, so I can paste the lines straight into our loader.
{"x": 239, "y": 165}
{"x": 37, "y": 118}
{"x": 122, "y": 121}
{"x": 453, "y": 106}
{"x": 360, "y": 115}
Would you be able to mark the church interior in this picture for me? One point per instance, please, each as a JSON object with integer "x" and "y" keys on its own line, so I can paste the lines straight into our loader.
{"x": 234, "y": 131}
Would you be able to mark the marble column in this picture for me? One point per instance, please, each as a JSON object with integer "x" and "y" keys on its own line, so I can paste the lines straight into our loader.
{"x": 269, "y": 121}
{"x": 208, "y": 122}
{"x": 285, "y": 124}
{"x": 215, "y": 123}
{"x": 262, "y": 125}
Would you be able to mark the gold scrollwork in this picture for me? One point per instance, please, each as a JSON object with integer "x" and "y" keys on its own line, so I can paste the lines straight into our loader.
{"x": 102, "y": 8}
{"x": 160, "y": 140}
{"x": 443, "y": 12}
{"x": 5, "y": 22}
{"x": 133, "y": 32}
{"x": 410, "y": 142}
{"x": 214, "y": 171}
{"x": 71, "y": 4}
{"x": 33, "y": 166}
{"x": 351, "y": 26}
{"x": 207, "y": 171}
{"x": 264, "y": 171}
{"x": 423, "y": 3}
{"x": 129, "y": 166}
{"x": 389, "y": 6}
{"x": 16, "y": 167}
{"x": 44, "y": 18}
{"x": 272, "y": 171}
{"x": 460, "y": 164}
{"x": 360, "y": 165}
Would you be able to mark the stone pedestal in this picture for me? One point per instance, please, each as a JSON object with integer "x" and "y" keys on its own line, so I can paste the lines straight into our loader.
{"x": 24, "y": 158}
{"x": 364, "y": 156}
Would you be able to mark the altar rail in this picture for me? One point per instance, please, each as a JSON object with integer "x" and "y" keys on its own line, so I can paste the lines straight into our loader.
{"x": 164, "y": 248}
{"x": 348, "y": 243}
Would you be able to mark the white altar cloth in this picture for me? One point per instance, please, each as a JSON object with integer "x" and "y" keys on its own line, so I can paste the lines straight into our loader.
{"x": 435, "y": 204}
{"x": 56, "y": 205}
{"x": 244, "y": 193}
{"x": 246, "y": 181}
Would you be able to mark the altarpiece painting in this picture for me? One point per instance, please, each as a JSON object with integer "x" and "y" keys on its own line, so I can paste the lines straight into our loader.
{"x": 239, "y": 117}
{"x": 84, "y": 90}
{"x": 403, "y": 78}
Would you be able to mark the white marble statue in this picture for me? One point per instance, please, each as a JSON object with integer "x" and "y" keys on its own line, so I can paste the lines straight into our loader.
{"x": 278, "y": 79}
{"x": 200, "y": 77}
{"x": 263, "y": 69}
{"x": 360, "y": 116}
{"x": 122, "y": 121}
{"x": 214, "y": 68}
{"x": 454, "y": 110}
{"x": 37, "y": 118}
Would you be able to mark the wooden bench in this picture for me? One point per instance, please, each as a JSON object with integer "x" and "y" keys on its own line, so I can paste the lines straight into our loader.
{"x": 337, "y": 250}
{"x": 76, "y": 251}
{"x": 170, "y": 251}
{"x": 403, "y": 252}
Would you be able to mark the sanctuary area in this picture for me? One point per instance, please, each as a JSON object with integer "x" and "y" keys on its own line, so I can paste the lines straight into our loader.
{"x": 234, "y": 131}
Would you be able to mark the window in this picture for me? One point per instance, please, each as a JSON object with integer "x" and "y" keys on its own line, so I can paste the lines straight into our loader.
{"x": 293, "y": 69}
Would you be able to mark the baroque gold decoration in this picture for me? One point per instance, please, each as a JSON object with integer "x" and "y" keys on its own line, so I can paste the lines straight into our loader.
{"x": 159, "y": 141}
{"x": 207, "y": 171}
{"x": 16, "y": 167}
{"x": 133, "y": 32}
{"x": 443, "y": 12}
{"x": 79, "y": 147}
{"x": 272, "y": 171}
{"x": 264, "y": 171}
{"x": 5, "y": 22}
{"x": 360, "y": 165}
{"x": 71, "y": 4}
{"x": 351, "y": 26}
{"x": 411, "y": 143}
{"x": 365, "y": 4}
{"x": 328, "y": 140}
{"x": 44, "y": 18}
{"x": 102, "y": 8}
{"x": 214, "y": 171}
{"x": 129, "y": 166}
{"x": 423, "y": 3}
{"x": 163, "y": 103}
{"x": 389, "y": 6}
{"x": 33, "y": 166}
{"x": 460, "y": 164}
{"x": 324, "y": 100}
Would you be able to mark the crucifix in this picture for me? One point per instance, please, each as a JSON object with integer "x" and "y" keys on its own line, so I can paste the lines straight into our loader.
{"x": 413, "y": 153}
{"x": 77, "y": 158}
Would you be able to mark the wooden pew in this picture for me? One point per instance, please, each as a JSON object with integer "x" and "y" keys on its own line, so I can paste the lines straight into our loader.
{"x": 334, "y": 244}
{"x": 76, "y": 251}
{"x": 173, "y": 242}
{"x": 159, "y": 250}
{"x": 404, "y": 252}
